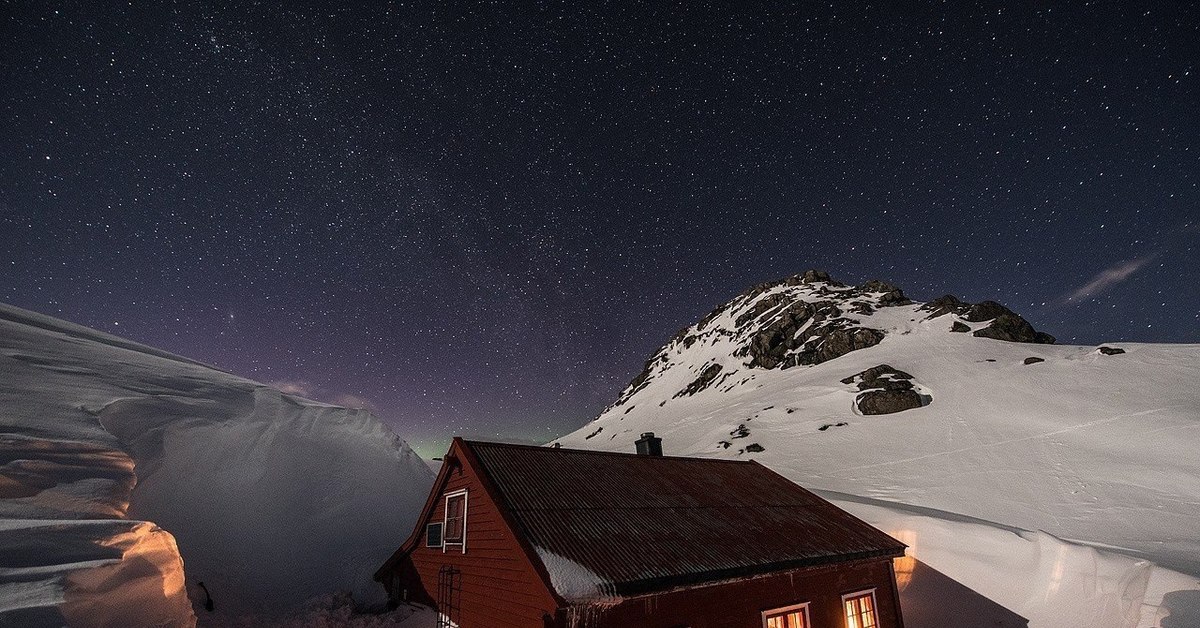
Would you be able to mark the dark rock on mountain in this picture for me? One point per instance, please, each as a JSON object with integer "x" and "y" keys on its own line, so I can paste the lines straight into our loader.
{"x": 892, "y": 295}
{"x": 1006, "y": 324}
{"x": 778, "y": 342}
{"x": 754, "y": 448}
{"x": 839, "y": 342}
{"x": 1111, "y": 350}
{"x": 946, "y": 304}
{"x": 886, "y": 390}
{"x": 813, "y": 276}
{"x": 642, "y": 379}
{"x": 959, "y": 327}
{"x": 1013, "y": 328}
{"x": 985, "y": 311}
{"x": 862, "y": 307}
{"x": 700, "y": 383}
{"x": 887, "y": 401}
{"x": 1034, "y": 360}
{"x": 973, "y": 312}
{"x": 875, "y": 376}
{"x": 781, "y": 343}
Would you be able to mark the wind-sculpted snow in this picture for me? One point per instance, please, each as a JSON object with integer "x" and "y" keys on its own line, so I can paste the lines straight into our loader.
{"x": 1094, "y": 446}
{"x": 270, "y": 499}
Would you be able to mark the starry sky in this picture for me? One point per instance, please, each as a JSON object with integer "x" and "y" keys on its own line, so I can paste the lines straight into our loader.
{"x": 481, "y": 218}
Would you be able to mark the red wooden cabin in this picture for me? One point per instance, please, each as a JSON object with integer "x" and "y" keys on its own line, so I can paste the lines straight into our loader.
{"x": 537, "y": 537}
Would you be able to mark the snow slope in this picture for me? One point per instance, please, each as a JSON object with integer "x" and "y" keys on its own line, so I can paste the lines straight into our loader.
{"x": 270, "y": 499}
{"x": 1088, "y": 448}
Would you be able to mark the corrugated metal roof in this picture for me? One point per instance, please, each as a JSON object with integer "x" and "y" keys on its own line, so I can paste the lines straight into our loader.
{"x": 646, "y": 523}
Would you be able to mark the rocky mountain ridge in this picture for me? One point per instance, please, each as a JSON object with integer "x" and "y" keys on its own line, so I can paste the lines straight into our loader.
{"x": 804, "y": 320}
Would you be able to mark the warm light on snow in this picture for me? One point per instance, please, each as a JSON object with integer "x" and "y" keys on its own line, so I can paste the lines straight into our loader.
{"x": 904, "y": 565}
{"x": 270, "y": 499}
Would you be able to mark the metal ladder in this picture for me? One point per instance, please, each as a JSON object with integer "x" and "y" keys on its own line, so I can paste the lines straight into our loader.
{"x": 448, "y": 593}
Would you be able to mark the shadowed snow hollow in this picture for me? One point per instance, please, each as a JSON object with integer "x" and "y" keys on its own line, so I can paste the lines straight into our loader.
{"x": 270, "y": 498}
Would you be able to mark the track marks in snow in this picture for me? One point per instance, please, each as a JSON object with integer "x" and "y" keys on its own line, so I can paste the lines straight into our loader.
{"x": 1066, "y": 430}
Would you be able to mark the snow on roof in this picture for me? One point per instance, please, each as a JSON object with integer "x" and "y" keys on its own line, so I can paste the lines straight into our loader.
{"x": 574, "y": 582}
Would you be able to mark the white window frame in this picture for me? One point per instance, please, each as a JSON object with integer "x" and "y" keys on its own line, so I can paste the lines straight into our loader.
{"x": 862, "y": 593}
{"x": 445, "y": 513}
{"x": 789, "y": 609}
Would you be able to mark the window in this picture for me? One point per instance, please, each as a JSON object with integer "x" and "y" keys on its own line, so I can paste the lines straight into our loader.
{"x": 860, "y": 609}
{"x": 454, "y": 531}
{"x": 433, "y": 535}
{"x": 795, "y": 616}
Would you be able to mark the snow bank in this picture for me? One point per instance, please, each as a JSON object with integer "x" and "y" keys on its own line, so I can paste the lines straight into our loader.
{"x": 271, "y": 499}
{"x": 1050, "y": 582}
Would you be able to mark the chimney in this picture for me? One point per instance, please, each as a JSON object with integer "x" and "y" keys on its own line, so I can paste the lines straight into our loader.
{"x": 649, "y": 445}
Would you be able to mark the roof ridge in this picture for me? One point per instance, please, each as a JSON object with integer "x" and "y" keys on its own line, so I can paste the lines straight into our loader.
{"x": 597, "y": 452}
{"x": 731, "y": 506}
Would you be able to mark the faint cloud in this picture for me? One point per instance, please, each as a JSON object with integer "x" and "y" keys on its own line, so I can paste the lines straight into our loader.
{"x": 307, "y": 390}
{"x": 353, "y": 401}
{"x": 1107, "y": 278}
{"x": 293, "y": 387}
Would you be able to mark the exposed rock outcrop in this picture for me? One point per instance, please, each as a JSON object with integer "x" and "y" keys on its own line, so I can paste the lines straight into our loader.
{"x": 700, "y": 383}
{"x": 887, "y": 401}
{"x": 886, "y": 390}
{"x": 1013, "y": 328}
{"x": 1111, "y": 350}
{"x": 1006, "y": 325}
{"x": 879, "y": 377}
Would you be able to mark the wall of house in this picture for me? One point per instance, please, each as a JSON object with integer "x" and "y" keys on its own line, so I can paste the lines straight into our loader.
{"x": 740, "y": 604}
{"x": 499, "y": 586}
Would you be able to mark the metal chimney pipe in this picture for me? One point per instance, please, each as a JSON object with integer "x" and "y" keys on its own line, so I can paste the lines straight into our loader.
{"x": 649, "y": 445}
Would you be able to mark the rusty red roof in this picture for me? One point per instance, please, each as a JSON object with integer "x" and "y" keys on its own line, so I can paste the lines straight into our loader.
{"x": 648, "y": 523}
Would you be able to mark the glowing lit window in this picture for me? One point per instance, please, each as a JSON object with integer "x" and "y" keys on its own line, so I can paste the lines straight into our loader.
{"x": 454, "y": 530}
{"x": 789, "y": 617}
{"x": 860, "y": 610}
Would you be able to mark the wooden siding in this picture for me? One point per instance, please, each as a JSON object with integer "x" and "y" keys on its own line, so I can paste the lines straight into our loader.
{"x": 499, "y": 585}
{"x": 740, "y": 604}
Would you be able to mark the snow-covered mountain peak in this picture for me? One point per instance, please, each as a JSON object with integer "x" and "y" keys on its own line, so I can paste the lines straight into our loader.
{"x": 805, "y": 320}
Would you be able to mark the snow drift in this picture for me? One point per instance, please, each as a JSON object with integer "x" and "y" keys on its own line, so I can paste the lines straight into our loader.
{"x": 974, "y": 416}
{"x": 270, "y": 499}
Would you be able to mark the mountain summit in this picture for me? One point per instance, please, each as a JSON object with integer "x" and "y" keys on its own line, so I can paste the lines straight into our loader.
{"x": 805, "y": 320}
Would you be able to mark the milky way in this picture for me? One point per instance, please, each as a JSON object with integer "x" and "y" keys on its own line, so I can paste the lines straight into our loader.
{"x": 480, "y": 219}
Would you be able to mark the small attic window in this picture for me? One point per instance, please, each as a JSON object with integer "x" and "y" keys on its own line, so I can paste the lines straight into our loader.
{"x": 455, "y": 529}
{"x": 433, "y": 534}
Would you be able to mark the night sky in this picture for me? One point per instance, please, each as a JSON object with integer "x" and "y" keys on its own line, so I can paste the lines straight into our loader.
{"x": 480, "y": 219}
